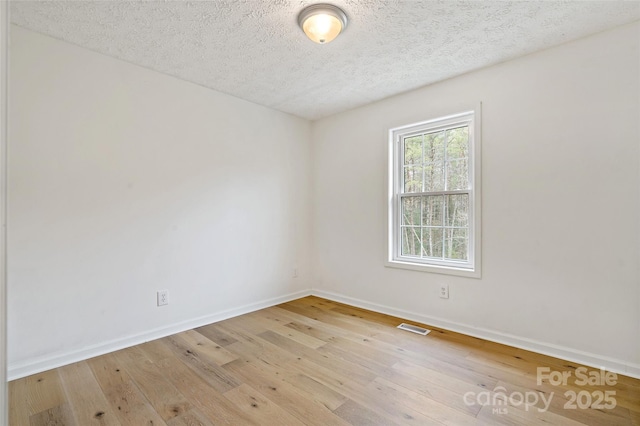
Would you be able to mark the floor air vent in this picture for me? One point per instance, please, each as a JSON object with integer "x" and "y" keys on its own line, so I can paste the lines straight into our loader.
{"x": 414, "y": 329}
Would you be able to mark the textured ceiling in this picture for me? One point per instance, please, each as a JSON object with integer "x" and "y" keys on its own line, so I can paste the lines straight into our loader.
{"x": 253, "y": 49}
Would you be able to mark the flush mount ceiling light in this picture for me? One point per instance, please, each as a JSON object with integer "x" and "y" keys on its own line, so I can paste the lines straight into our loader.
{"x": 322, "y": 22}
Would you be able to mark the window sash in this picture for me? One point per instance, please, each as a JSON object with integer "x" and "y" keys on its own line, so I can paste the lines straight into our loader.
{"x": 441, "y": 261}
{"x": 397, "y": 162}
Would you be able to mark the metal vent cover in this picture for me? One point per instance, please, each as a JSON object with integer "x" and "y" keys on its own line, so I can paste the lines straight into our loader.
{"x": 414, "y": 329}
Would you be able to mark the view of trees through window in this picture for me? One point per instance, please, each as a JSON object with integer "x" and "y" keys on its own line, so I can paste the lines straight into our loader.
{"x": 435, "y": 195}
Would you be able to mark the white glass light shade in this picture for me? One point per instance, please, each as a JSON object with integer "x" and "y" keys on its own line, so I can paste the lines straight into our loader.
{"x": 322, "y": 22}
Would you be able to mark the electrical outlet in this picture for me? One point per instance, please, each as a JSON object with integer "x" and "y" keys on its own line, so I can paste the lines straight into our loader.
{"x": 444, "y": 291}
{"x": 295, "y": 272}
{"x": 163, "y": 297}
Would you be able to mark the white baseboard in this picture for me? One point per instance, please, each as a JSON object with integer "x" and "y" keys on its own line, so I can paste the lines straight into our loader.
{"x": 569, "y": 354}
{"x": 36, "y": 365}
{"x": 39, "y": 364}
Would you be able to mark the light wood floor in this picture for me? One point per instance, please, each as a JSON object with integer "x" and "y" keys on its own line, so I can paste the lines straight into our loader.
{"x": 312, "y": 362}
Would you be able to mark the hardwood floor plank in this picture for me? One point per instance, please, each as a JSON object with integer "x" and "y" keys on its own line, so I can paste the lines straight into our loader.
{"x": 192, "y": 417}
{"x": 162, "y": 395}
{"x": 383, "y": 407}
{"x": 216, "y": 335}
{"x": 350, "y": 368}
{"x": 197, "y": 390}
{"x": 459, "y": 383}
{"x": 84, "y": 395}
{"x": 259, "y": 408}
{"x": 248, "y": 323}
{"x": 18, "y": 402}
{"x": 45, "y": 391}
{"x": 126, "y": 400}
{"x": 314, "y": 329}
{"x": 129, "y": 405}
{"x": 201, "y": 362}
{"x": 312, "y": 409}
{"x": 108, "y": 371}
{"x": 296, "y": 336}
{"x": 302, "y": 387}
{"x": 207, "y": 348}
{"x": 60, "y": 415}
{"x": 279, "y": 325}
{"x": 262, "y": 349}
{"x": 275, "y": 358}
{"x": 452, "y": 394}
{"x": 436, "y": 412}
{"x": 370, "y": 358}
{"x": 358, "y": 415}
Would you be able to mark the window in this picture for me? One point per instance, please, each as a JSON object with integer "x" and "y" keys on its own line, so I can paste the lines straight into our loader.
{"x": 434, "y": 208}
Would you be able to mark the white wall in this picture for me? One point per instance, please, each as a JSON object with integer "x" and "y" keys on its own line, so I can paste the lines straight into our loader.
{"x": 124, "y": 181}
{"x": 561, "y": 208}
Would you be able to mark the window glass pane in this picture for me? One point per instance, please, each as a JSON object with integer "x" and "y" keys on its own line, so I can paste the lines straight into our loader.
{"x": 458, "y": 143}
{"x": 411, "y": 241}
{"x": 412, "y": 179}
{"x": 411, "y": 210}
{"x": 457, "y": 210}
{"x": 432, "y": 208}
{"x": 432, "y": 242}
{"x": 434, "y": 161}
{"x": 433, "y": 177}
{"x": 434, "y": 147}
{"x": 456, "y": 243}
{"x": 413, "y": 150}
{"x": 457, "y": 174}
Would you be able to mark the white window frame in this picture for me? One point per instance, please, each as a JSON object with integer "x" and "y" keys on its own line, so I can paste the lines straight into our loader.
{"x": 472, "y": 267}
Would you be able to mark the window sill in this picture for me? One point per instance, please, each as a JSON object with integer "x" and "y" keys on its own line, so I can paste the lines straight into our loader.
{"x": 446, "y": 270}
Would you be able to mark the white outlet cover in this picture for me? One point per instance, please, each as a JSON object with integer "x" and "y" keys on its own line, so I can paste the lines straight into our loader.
{"x": 444, "y": 291}
{"x": 163, "y": 297}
